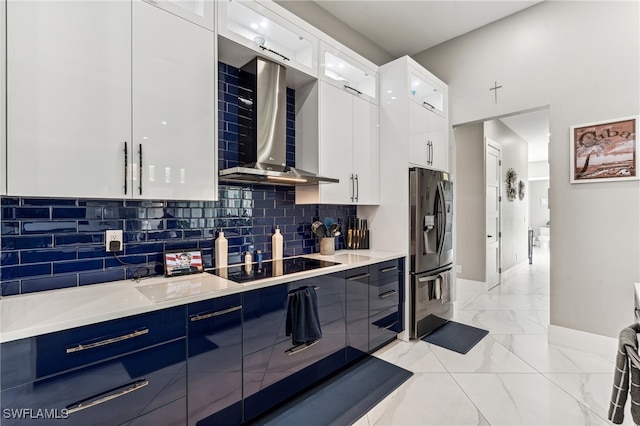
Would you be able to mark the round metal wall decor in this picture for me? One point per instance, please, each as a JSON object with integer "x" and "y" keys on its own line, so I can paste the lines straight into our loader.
{"x": 512, "y": 184}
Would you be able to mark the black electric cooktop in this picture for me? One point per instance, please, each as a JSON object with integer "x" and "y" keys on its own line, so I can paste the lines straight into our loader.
{"x": 269, "y": 268}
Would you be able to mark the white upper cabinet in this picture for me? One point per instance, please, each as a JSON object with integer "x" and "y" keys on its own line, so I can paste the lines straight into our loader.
{"x": 261, "y": 30}
{"x": 348, "y": 73}
{"x": 69, "y": 107}
{"x": 200, "y": 12}
{"x": 173, "y": 107}
{"x": 414, "y": 104}
{"x": 95, "y": 110}
{"x": 3, "y": 93}
{"x": 427, "y": 138}
{"x": 345, "y": 144}
{"x": 426, "y": 92}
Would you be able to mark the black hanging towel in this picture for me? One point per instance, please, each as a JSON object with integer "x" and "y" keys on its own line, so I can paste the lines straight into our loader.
{"x": 303, "y": 323}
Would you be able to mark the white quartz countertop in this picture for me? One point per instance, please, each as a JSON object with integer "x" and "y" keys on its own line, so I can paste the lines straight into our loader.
{"x": 33, "y": 314}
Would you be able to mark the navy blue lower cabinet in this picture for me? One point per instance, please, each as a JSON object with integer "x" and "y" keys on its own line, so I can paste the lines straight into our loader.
{"x": 357, "y": 287}
{"x": 107, "y": 393}
{"x": 265, "y": 310}
{"x": 214, "y": 347}
{"x": 34, "y": 358}
{"x": 172, "y": 414}
{"x": 274, "y": 368}
{"x": 277, "y": 373}
{"x": 384, "y": 303}
{"x": 384, "y": 327}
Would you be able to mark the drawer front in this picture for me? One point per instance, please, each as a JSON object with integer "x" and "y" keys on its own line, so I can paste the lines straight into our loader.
{"x": 385, "y": 271}
{"x": 265, "y": 310}
{"x": 52, "y": 353}
{"x": 269, "y": 365}
{"x": 108, "y": 393}
{"x": 274, "y": 374}
{"x": 382, "y": 297}
{"x": 168, "y": 415}
{"x": 215, "y": 359}
{"x": 361, "y": 274}
{"x": 383, "y": 327}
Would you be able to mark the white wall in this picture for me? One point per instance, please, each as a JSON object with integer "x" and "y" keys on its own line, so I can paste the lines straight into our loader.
{"x": 581, "y": 58}
{"x": 538, "y": 214}
{"x": 470, "y": 209}
{"x": 329, "y": 24}
{"x": 514, "y": 217}
{"x": 539, "y": 170}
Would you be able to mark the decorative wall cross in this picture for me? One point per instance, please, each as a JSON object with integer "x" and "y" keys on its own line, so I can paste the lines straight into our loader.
{"x": 495, "y": 89}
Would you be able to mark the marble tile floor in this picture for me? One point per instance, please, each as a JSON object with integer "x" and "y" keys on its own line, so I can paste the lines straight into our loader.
{"x": 511, "y": 377}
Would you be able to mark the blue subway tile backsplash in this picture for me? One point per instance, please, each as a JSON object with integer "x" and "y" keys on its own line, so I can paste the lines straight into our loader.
{"x": 53, "y": 243}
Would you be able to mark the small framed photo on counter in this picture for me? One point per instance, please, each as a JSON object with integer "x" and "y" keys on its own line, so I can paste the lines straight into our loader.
{"x": 182, "y": 262}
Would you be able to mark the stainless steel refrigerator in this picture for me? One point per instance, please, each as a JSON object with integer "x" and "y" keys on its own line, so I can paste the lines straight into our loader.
{"x": 431, "y": 209}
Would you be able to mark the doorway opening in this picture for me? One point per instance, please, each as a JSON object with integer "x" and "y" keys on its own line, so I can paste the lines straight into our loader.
{"x": 523, "y": 139}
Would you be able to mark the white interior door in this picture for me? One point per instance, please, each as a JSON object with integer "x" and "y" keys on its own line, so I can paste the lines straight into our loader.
{"x": 493, "y": 199}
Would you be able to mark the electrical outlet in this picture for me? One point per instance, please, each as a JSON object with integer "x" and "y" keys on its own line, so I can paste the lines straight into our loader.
{"x": 459, "y": 269}
{"x": 113, "y": 240}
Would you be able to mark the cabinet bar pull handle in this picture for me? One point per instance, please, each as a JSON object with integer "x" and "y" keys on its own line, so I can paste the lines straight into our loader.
{"x": 357, "y": 277}
{"x": 126, "y": 166}
{"x": 91, "y": 402}
{"x": 357, "y": 188}
{"x": 353, "y": 191}
{"x": 388, "y": 294}
{"x": 386, "y": 327}
{"x": 292, "y": 291}
{"x": 431, "y": 153}
{"x": 199, "y": 317}
{"x": 297, "y": 349}
{"x": 246, "y": 101}
{"x": 390, "y": 268}
{"x": 275, "y": 53}
{"x": 428, "y": 104}
{"x": 82, "y": 347}
{"x": 353, "y": 89}
{"x": 140, "y": 154}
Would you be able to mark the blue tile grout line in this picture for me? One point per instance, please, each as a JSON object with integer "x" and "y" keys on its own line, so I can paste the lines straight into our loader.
{"x": 52, "y": 243}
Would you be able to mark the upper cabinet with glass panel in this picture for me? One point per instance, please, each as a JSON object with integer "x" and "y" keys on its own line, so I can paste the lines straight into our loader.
{"x": 266, "y": 33}
{"x": 349, "y": 73}
{"x": 426, "y": 92}
{"x": 199, "y": 12}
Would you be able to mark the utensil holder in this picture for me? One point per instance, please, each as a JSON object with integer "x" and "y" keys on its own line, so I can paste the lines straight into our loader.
{"x": 327, "y": 245}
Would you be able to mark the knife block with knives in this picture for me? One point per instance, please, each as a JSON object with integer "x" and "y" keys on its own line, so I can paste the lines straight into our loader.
{"x": 357, "y": 233}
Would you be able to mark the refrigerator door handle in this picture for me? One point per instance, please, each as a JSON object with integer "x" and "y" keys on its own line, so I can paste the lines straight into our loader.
{"x": 430, "y": 278}
{"x": 441, "y": 218}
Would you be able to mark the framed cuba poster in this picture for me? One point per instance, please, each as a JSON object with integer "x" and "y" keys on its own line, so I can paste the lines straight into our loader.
{"x": 604, "y": 151}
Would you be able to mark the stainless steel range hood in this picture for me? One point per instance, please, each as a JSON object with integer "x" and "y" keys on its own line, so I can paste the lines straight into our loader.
{"x": 262, "y": 132}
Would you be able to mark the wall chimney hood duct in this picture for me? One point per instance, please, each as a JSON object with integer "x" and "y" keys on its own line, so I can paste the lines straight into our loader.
{"x": 262, "y": 128}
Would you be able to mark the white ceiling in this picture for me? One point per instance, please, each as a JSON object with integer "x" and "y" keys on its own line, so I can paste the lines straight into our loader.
{"x": 409, "y": 27}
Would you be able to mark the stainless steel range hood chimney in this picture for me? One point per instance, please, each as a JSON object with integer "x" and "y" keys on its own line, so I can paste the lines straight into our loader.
{"x": 262, "y": 123}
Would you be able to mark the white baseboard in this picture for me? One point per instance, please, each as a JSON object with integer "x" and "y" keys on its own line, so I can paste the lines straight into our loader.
{"x": 514, "y": 270}
{"x": 583, "y": 341}
{"x": 470, "y": 286}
